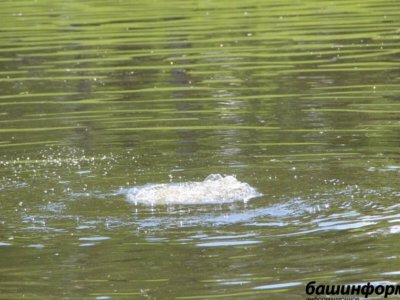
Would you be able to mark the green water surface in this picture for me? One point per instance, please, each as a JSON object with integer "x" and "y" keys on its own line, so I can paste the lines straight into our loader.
{"x": 300, "y": 99}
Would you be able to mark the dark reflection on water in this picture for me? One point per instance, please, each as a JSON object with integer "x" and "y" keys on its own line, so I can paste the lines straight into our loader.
{"x": 298, "y": 99}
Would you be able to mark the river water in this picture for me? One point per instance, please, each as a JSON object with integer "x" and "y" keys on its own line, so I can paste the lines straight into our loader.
{"x": 298, "y": 99}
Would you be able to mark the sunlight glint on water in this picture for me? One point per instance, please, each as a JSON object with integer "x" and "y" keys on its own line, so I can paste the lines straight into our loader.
{"x": 101, "y": 101}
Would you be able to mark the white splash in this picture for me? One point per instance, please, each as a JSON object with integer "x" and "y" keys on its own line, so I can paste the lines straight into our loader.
{"x": 215, "y": 189}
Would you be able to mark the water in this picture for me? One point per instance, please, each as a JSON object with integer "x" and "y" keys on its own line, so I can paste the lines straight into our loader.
{"x": 214, "y": 189}
{"x": 297, "y": 99}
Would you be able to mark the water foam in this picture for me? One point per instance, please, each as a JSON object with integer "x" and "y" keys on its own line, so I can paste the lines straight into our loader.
{"x": 215, "y": 189}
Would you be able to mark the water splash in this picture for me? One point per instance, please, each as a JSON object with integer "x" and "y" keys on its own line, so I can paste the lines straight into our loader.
{"x": 215, "y": 189}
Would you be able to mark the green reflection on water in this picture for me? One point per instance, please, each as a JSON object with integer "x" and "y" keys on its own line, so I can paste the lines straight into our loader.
{"x": 299, "y": 99}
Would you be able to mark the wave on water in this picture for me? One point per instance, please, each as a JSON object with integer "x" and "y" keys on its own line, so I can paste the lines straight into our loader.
{"x": 215, "y": 189}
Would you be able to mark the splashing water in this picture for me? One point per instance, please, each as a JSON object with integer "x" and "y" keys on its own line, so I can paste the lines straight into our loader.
{"x": 215, "y": 189}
